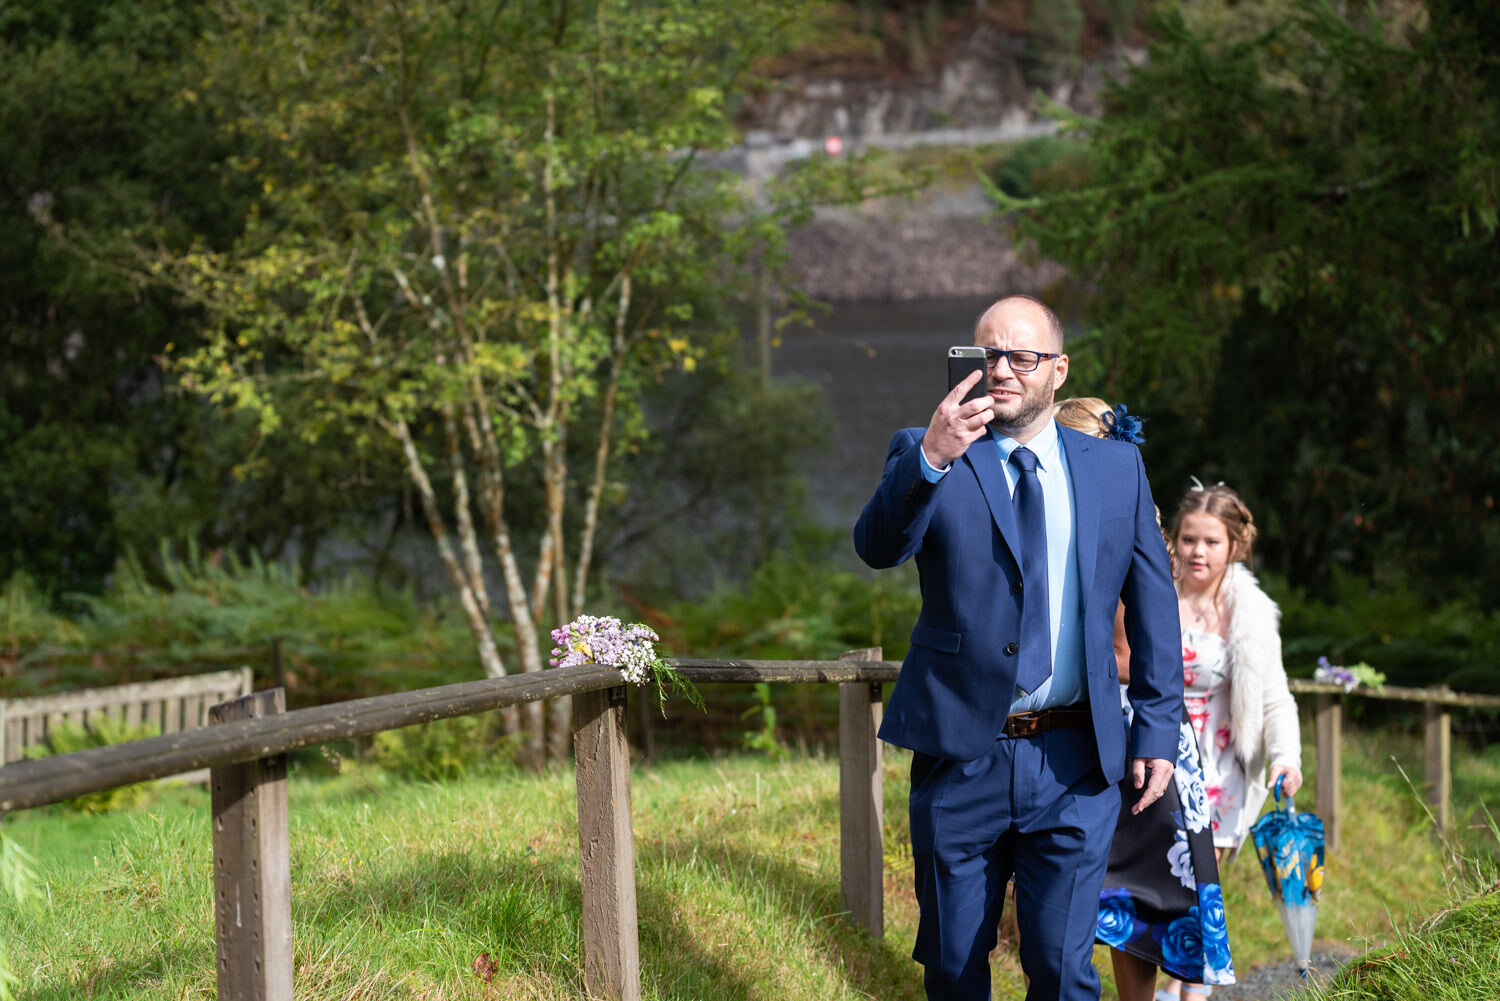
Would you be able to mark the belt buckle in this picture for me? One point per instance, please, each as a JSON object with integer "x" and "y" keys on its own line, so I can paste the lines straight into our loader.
{"x": 1024, "y": 725}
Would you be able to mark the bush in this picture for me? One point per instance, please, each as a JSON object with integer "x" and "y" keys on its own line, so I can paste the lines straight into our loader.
{"x": 444, "y": 749}
{"x": 1030, "y": 167}
{"x": 342, "y": 640}
{"x": 1392, "y": 627}
{"x": 27, "y": 621}
{"x": 801, "y": 604}
{"x": 103, "y": 732}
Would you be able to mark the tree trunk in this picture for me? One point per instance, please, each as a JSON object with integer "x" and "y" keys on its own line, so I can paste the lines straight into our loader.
{"x": 559, "y": 709}
{"x": 466, "y": 536}
{"x": 484, "y": 638}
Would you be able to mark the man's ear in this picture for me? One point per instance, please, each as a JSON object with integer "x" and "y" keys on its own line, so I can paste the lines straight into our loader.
{"x": 1060, "y": 372}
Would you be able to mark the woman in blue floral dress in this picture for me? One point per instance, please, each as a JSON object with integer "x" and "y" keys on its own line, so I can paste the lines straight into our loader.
{"x": 1161, "y": 906}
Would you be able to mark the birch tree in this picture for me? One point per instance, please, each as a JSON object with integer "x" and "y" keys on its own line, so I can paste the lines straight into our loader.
{"x": 482, "y": 224}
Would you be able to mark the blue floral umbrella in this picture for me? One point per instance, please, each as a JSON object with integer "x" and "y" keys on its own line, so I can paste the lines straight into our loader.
{"x": 1290, "y": 847}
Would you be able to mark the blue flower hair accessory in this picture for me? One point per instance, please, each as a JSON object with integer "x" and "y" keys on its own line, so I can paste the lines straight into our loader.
{"x": 1123, "y": 427}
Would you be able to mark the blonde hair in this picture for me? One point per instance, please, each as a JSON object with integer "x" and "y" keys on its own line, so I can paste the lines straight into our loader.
{"x": 1086, "y": 414}
{"x": 1224, "y": 504}
{"x": 1083, "y": 413}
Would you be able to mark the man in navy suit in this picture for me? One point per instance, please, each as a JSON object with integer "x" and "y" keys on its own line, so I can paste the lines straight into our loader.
{"x": 1028, "y": 536}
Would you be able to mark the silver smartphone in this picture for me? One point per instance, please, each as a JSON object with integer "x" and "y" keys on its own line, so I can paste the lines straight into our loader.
{"x": 963, "y": 359}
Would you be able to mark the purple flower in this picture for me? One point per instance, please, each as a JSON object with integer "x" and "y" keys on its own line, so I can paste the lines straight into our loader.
{"x": 604, "y": 640}
{"x": 1332, "y": 674}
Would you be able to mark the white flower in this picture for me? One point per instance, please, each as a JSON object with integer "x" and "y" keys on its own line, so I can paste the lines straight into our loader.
{"x": 1180, "y": 858}
{"x": 1190, "y": 786}
{"x": 604, "y": 640}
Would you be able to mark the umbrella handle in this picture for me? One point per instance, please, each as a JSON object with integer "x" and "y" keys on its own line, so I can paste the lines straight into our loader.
{"x": 1277, "y": 791}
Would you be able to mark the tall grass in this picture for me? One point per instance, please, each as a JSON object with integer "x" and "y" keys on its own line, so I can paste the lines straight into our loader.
{"x": 398, "y": 887}
{"x": 1453, "y": 954}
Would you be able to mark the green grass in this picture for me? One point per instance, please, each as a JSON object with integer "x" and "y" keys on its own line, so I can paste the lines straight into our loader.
{"x": 1453, "y": 957}
{"x": 398, "y": 887}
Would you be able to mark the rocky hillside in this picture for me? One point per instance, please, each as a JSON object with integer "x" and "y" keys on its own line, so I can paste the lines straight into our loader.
{"x": 939, "y": 245}
{"x": 979, "y": 79}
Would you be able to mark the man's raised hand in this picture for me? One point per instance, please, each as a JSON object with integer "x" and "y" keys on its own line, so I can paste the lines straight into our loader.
{"x": 955, "y": 425}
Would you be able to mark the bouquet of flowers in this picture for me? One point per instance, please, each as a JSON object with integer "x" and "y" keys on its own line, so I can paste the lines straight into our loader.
{"x": 605, "y": 640}
{"x": 1350, "y": 677}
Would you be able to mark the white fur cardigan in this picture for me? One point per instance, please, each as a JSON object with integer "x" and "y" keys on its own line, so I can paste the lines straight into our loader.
{"x": 1262, "y": 713}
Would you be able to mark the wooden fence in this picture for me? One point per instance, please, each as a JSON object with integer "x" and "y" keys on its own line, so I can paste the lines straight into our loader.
{"x": 245, "y": 750}
{"x": 1328, "y": 710}
{"x": 170, "y": 705}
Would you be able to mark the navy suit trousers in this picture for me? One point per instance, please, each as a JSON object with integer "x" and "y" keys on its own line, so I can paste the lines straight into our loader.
{"x": 1037, "y": 807}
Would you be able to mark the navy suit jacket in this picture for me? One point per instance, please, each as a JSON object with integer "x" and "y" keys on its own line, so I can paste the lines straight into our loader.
{"x": 958, "y": 680}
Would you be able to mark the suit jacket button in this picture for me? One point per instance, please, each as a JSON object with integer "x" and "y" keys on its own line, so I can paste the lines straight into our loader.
{"x": 1012, "y": 648}
{"x": 1015, "y": 588}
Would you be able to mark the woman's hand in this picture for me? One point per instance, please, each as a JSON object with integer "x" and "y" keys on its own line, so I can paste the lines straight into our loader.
{"x": 1293, "y": 779}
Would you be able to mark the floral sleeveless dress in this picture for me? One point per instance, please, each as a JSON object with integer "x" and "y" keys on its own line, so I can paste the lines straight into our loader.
{"x": 1205, "y": 678}
{"x": 1161, "y": 899}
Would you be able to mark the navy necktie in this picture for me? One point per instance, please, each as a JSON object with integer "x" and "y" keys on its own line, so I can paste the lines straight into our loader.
{"x": 1031, "y": 517}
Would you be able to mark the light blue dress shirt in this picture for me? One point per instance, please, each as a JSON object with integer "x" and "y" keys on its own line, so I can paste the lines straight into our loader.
{"x": 1064, "y": 590}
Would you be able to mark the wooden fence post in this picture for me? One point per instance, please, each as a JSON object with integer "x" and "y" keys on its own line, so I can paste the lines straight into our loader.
{"x": 1330, "y": 726}
{"x": 606, "y": 846}
{"x": 1439, "y": 760}
{"x": 861, "y": 846}
{"x": 252, "y": 865}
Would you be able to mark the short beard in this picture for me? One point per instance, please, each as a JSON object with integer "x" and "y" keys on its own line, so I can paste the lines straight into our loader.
{"x": 1031, "y": 409}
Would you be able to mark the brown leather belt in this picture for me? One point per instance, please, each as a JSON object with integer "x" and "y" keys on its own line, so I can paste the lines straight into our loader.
{"x": 1030, "y": 724}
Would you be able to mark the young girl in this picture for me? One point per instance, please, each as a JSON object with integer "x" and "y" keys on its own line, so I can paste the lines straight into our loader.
{"x": 1243, "y": 716}
{"x": 1235, "y": 686}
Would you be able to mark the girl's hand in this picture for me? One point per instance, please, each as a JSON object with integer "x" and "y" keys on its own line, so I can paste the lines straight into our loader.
{"x": 1293, "y": 779}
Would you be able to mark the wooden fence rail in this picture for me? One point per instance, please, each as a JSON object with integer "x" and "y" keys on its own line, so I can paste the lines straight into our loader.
{"x": 245, "y": 750}
{"x": 52, "y": 780}
{"x": 1328, "y": 714}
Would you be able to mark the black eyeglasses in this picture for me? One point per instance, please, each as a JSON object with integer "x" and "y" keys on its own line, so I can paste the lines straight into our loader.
{"x": 1021, "y": 360}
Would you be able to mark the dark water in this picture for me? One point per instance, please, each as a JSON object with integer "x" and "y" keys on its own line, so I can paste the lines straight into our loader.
{"x": 882, "y": 367}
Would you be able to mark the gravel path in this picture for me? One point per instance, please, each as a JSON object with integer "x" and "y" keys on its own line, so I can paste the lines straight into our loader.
{"x": 1281, "y": 980}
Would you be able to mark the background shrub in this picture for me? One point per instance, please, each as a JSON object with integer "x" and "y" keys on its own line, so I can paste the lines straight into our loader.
{"x": 66, "y": 738}
{"x": 444, "y": 749}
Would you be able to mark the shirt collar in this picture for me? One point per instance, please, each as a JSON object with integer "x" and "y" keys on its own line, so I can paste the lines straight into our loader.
{"x": 1044, "y": 446}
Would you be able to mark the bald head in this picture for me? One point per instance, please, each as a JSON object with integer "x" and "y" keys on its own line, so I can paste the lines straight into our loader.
{"x": 1026, "y": 309}
{"x": 1021, "y": 395}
